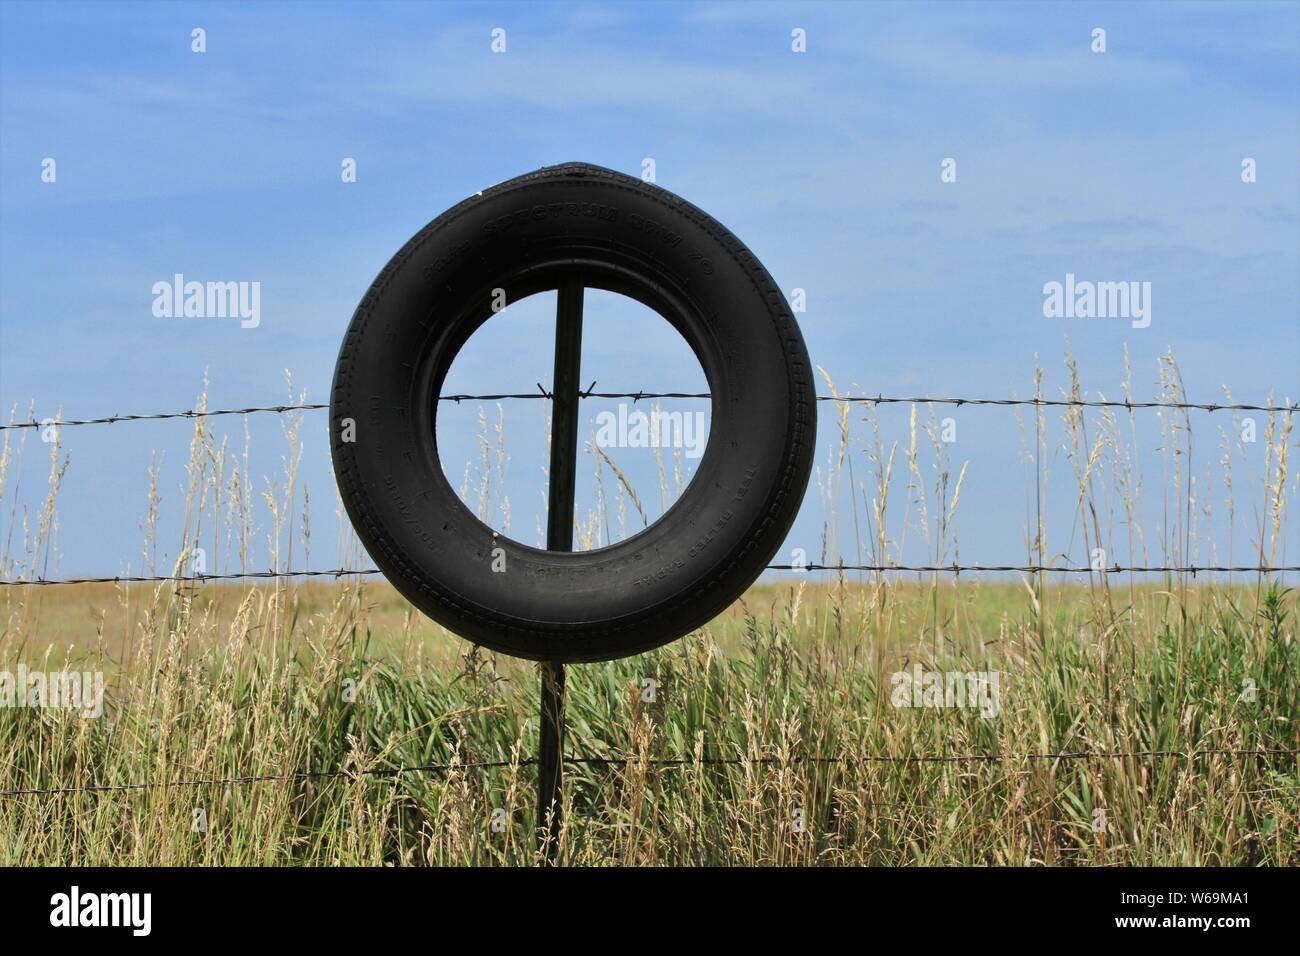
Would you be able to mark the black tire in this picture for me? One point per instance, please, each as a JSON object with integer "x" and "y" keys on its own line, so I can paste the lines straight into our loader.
{"x": 629, "y": 237}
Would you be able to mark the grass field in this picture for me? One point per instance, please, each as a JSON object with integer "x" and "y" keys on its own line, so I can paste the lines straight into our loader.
{"x": 226, "y": 682}
{"x": 775, "y": 735}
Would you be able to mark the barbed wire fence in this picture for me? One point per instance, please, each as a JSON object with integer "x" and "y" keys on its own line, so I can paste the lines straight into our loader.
{"x": 661, "y": 763}
{"x": 954, "y": 568}
{"x": 1288, "y": 408}
{"x": 988, "y": 759}
{"x": 590, "y": 392}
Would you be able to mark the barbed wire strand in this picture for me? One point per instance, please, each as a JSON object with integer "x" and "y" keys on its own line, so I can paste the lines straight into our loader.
{"x": 194, "y": 579}
{"x": 301, "y": 775}
{"x": 954, "y": 568}
{"x": 542, "y": 393}
{"x": 667, "y": 762}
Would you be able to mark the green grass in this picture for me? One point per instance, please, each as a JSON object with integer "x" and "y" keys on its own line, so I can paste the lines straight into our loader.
{"x": 250, "y": 683}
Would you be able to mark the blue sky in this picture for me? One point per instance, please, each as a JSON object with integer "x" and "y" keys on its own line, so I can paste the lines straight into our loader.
{"x": 225, "y": 166}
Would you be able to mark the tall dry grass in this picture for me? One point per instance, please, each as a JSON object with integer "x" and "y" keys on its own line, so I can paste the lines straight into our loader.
{"x": 767, "y": 737}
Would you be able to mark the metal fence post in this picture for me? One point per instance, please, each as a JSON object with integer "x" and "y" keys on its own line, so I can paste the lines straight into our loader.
{"x": 559, "y": 537}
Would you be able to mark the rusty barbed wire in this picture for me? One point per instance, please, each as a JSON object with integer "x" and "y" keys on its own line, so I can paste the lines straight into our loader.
{"x": 667, "y": 762}
{"x": 958, "y": 569}
{"x": 301, "y": 775}
{"x": 159, "y": 416}
{"x": 193, "y": 578}
{"x": 637, "y": 396}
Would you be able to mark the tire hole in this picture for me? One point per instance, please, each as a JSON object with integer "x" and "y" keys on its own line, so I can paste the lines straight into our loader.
{"x": 635, "y": 458}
